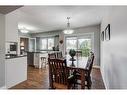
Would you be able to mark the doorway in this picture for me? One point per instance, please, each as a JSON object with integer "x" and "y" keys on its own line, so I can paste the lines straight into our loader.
{"x": 24, "y": 45}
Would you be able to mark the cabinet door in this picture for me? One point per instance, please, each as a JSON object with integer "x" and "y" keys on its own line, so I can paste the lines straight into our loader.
{"x": 11, "y": 26}
{"x": 16, "y": 71}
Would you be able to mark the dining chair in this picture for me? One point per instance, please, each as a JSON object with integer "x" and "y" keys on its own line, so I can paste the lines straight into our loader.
{"x": 52, "y": 55}
{"x": 59, "y": 54}
{"x": 43, "y": 61}
{"x": 59, "y": 77}
{"x": 88, "y": 69}
{"x": 79, "y": 53}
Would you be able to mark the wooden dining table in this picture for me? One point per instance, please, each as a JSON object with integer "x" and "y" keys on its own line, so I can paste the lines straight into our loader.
{"x": 79, "y": 65}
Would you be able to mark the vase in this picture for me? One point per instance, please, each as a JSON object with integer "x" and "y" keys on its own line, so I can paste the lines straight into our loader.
{"x": 72, "y": 59}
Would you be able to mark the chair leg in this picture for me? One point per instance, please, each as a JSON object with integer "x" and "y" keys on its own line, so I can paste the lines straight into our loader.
{"x": 43, "y": 62}
{"x": 89, "y": 83}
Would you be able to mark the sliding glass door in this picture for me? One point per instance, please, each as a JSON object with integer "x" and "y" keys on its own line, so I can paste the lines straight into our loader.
{"x": 71, "y": 43}
{"x": 82, "y": 44}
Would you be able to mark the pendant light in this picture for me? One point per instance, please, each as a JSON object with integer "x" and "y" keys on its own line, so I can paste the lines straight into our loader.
{"x": 68, "y": 30}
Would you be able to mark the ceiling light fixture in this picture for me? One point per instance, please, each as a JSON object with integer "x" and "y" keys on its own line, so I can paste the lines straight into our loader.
{"x": 68, "y": 30}
{"x": 24, "y": 30}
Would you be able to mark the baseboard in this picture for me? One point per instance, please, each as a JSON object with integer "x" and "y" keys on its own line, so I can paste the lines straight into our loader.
{"x": 103, "y": 80}
{"x": 97, "y": 67}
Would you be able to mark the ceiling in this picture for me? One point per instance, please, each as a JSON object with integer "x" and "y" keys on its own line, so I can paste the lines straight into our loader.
{"x": 48, "y": 18}
{"x": 7, "y": 9}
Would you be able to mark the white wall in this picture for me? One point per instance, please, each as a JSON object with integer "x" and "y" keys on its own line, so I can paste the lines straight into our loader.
{"x": 2, "y": 50}
{"x": 113, "y": 52}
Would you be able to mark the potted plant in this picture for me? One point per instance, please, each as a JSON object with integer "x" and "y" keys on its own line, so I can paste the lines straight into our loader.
{"x": 72, "y": 53}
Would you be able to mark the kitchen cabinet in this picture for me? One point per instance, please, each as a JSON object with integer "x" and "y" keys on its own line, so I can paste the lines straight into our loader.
{"x": 16, "y": 70}
{"x": 11, "y": 26}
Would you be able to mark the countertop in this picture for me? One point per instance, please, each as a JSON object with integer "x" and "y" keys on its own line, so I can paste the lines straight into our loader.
{"x": 50, "y": 51}
{"x": 18, "y": 56}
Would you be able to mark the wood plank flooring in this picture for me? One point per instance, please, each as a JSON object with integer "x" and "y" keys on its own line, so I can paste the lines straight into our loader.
{"x": 38, "y": 79}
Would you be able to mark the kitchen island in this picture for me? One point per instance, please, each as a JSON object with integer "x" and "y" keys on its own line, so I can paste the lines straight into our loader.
{"x": 34, "y": 57}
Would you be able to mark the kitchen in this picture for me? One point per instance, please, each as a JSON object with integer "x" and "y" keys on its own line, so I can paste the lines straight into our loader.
{"x": 17, "y": 46}
{"x": 15, "y": 63}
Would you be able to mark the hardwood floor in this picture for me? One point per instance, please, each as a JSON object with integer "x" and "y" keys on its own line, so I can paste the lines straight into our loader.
{"x": 38, "y": 79}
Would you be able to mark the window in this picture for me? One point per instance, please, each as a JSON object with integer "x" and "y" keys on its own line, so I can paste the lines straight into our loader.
{"x": 43, "y": 44}
{"x": 47, "y": 43}
{"x": 71, "y": 43}
{"x": 50, "y": 43}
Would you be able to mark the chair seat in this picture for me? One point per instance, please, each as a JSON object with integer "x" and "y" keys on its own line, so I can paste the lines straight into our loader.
{"x": 59, "y": 86}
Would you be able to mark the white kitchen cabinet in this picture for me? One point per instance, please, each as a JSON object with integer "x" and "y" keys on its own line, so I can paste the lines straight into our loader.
{"x": 16, "y": 71}
{"x": 11, "y": 26}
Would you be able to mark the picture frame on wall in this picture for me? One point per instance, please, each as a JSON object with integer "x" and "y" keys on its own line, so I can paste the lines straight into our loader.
{"x": 107, "y": 32}
{"x": 102, "y": 36}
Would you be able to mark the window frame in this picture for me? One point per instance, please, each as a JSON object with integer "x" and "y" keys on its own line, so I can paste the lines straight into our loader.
{"x": 47, "y": 47}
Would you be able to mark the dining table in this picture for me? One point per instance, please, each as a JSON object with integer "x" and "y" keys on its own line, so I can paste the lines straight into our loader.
{"x": 79, "y": 64}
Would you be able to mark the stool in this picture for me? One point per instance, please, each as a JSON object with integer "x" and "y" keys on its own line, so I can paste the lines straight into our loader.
{"x": 43, "y": 61}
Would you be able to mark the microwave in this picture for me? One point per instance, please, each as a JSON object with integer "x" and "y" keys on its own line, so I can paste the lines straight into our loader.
{"x": 13, "y": 47}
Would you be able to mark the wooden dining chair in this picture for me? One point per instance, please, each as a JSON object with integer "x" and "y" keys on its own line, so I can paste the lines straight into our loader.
{"x": 79, "y": 53}
{"x": 59, "y": 77}
{"x": 59, "y": 54}
{"x": 88, "y": 69}
{"x": 43, "y": 61}
{"x": 52, "y": 55}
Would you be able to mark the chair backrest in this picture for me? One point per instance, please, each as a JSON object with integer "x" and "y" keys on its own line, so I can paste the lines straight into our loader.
{"x": 58, "y": 71}
{"x": 90, "y": 62}
{"x": 59, "y": 54}
{"x": 52, "y": 55}
{"x": 78, "y": 53}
